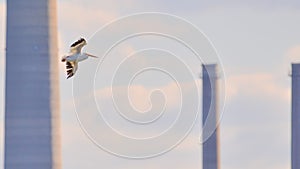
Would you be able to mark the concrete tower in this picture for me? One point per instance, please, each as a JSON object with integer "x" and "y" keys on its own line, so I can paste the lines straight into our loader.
{"x": 296, "y": 116}
{"x": 32, "y": 97}
{"x": 210, "y": 134}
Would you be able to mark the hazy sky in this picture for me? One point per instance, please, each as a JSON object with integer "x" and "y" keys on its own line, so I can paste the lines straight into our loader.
{"x": 256, "y": 42}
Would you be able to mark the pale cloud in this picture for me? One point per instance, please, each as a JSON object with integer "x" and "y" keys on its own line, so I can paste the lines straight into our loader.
{"x": 2, "y": 33}
{"x": 127, "y": 50}
{"x": 2, "y": 66}
{"x": 2, "y": 25}
{"x": 190, "y": 143}
{"x": 293, "y": 54}
{"x": 74, "y": 140}
{"x": 138, "y": 94}
{"x": 112, "y": 5}
{"x": 257, "y": 115}
{"x": 78, "y": 18}
{"x": 62, "y": 50}
{"x": 1, "y": 129}
{"x": 256, "y": 85}
{"x": 140, "y": 98}
{"x": 247, "y": 140}
{"x": 229, "y": 134}
{"x": 2, "y": 60}
{"x": 72, "y": 134}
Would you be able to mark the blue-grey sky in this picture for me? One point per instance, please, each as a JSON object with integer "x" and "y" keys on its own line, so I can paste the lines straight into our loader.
{"x": 256, "y": 42}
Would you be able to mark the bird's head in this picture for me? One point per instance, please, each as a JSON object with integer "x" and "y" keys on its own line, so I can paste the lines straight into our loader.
{"x": 84, "y": 41}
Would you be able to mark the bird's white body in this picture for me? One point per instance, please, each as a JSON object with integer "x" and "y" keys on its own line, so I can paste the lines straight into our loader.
{"x": 75, "y": 56}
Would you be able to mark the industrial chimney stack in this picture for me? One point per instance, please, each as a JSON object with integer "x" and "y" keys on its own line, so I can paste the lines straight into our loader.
{"x": 295, "y": 116}
{"x": 210, "y": 136}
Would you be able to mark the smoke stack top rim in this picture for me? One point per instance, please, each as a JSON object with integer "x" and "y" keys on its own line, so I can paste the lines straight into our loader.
{"x": 295, "y": 69}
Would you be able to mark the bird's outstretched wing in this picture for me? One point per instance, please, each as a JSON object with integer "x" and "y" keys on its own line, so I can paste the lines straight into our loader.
{"x": 77, "y": 46}
{"x": 71, "y": 68}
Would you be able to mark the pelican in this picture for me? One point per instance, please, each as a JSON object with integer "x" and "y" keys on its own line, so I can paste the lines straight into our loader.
{"x": 75, "y": 56}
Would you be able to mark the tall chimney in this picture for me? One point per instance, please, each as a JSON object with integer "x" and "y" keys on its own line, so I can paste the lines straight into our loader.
{"x": 210, "y": 136}
{"x": 295, "y": 116}
{"x": 32, "y": 89}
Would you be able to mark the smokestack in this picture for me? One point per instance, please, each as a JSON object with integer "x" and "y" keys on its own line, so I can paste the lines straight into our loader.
{"x": 210, "y": 136}
{"x": 295, "y": 116}
{"x": 32, "y": 89}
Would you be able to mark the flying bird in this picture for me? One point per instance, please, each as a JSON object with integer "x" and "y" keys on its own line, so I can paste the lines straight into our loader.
{"x": 74, "y": 56}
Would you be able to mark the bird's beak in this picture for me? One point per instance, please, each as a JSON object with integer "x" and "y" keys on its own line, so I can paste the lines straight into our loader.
{"x": 91, "y": 55}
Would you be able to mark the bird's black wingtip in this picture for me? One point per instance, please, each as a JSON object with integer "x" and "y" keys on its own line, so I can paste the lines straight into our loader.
{"x": 69, "y": 76}
{"x": 78, "y": 42}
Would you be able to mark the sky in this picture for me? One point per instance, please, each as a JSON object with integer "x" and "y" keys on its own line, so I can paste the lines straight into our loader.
{"x": 256, "y": 42}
